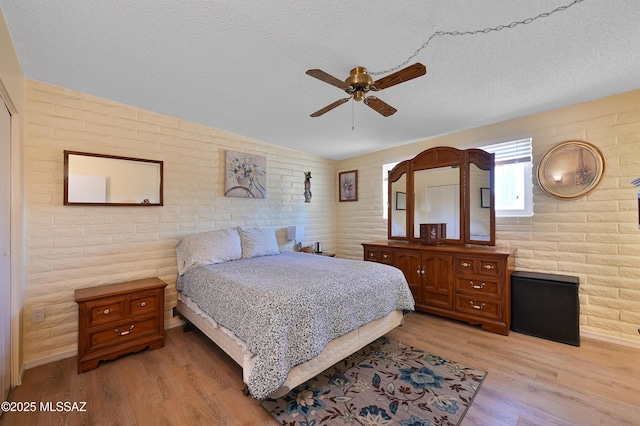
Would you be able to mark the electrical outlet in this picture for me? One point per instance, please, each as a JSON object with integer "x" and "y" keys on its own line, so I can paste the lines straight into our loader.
{"x": 37, "y": 315}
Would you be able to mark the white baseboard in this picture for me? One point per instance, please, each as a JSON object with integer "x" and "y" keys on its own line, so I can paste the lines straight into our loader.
{"x": 610, "y": 339}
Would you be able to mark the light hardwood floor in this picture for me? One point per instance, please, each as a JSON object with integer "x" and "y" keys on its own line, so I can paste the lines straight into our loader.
{"x": 191, "y": 382}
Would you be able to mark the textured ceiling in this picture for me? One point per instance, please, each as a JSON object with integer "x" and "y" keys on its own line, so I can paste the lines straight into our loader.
{"x": 240, "y": 65}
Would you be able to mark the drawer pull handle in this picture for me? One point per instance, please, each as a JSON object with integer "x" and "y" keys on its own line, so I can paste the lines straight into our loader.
{"x": 476, "y": 286}
{"x": 106, "y": 311}
{"x": 465, "y": 264}
{"x": 488, "y": 267}
{"x": 474, "y": 306}
{"x": 422, "y": 272}
{"x": 125, "y": 332}
{"x": 385, "y": 255}
{"x": 143, "y": 303}
{"x": 372, "y": 255}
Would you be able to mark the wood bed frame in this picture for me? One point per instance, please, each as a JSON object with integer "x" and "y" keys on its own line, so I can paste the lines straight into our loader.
{"x": 335, "y": 351}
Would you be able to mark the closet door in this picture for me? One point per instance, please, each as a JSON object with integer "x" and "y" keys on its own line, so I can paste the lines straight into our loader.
{"x": 5, "y": 246}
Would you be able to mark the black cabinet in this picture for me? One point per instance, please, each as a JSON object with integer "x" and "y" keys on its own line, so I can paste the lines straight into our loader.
{"x": 546, "y": 306}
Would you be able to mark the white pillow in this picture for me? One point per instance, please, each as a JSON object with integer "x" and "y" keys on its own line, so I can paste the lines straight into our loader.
{"x": 258, "y": 242}
{"x": 478, "y": 228}
{"x": 207, "y": 248}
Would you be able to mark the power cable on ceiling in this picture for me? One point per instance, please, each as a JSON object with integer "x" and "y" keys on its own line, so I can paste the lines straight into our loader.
{"x": 474, "y": 32}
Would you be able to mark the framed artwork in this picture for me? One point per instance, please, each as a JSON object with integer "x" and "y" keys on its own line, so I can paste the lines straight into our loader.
{"x": 348, "y": 185}
{"x": 570, "y": 170}
{"x": 401, "y": 200}
{"x": 485, "y": 198}
{"x": 246, "y": 175}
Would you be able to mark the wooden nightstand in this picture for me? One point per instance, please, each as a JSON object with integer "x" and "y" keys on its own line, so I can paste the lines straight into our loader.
{"x": 117, "y": 319}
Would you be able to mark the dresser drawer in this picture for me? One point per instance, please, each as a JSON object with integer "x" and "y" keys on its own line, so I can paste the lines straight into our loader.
{"x": 379, "y": 255}
{"x": 465, "y": 265}
{"x": 478, "y": 266}
{"x": 489, "y": 267}
{"x": 479, "y": 307}
{"x": 478, "y": 287}
{"x": 106, "y": 337}
{"x": 104, "y": 311}
{"x": 140, "y": 304}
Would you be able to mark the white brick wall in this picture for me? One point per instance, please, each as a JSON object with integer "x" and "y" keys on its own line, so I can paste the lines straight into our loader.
{"x": 70, "y": 247}
{"x": 595, "y": 238}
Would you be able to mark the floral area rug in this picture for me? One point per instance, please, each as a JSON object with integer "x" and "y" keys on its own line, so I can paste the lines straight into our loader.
{"x": 385, "y": 383}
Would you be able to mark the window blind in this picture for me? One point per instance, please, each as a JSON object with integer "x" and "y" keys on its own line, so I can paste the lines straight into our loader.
{"x": 510, "y": 152}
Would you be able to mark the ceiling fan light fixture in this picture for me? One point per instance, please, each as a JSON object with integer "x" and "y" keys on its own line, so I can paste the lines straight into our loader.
{"x": 359, "y": 79}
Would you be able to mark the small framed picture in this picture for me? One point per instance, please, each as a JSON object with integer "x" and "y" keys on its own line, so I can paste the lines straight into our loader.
{"x": 485, "y": 198}
{"x": 401, "y": 200}
{"x": 348, "y": 185}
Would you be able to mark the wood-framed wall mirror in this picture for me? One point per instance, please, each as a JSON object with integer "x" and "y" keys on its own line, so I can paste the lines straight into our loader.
{"x": 444, "y": 185}
{"x": 109, "y": 180}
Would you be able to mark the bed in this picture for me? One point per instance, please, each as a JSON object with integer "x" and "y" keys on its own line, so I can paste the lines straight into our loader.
{"x": 283, "y": 317}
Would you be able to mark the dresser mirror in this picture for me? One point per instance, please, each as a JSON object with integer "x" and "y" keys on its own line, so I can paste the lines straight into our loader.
{"x": 481, "y": 219}
{"x": 107, "y": 180}
{"x": 444, "y": 185}
{"x": 398, "y": 202}
{"x": 437, "y": 200}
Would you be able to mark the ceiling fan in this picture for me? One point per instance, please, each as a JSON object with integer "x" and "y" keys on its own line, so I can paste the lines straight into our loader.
{"x": 359, "y": 83}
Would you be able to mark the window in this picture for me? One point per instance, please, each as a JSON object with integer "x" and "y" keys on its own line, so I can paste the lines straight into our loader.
{"x": 386, "y": 168}
{"x": 513, "y": 177}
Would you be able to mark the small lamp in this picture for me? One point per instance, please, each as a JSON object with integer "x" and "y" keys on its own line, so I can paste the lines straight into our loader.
{"x": 296, "y": 233}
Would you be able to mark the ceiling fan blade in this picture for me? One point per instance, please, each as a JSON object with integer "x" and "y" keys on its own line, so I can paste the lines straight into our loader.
{"x": 380, "y": 106}
{"x": 327, "y": 78}
{"x": 330, "y": 107}
{"x": 405, "y": 74}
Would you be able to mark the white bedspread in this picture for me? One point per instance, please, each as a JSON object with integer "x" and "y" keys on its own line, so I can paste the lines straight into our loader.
{"x": 287, "y": 307}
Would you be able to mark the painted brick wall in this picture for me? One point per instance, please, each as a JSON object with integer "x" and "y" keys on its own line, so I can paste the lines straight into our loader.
{"x": 70, "y": 247}
{"x": 595, "y": 238}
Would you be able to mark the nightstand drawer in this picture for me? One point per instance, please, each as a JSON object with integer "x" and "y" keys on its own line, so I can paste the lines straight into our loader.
{"x": 104, "y": 311}
{"x": 143, "y": 304}
{"x": 122, "y": 333}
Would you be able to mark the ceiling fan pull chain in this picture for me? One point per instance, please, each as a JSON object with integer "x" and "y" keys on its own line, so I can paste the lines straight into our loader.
{"x": 473, "y": 32}
{"x": 353, "y": 115}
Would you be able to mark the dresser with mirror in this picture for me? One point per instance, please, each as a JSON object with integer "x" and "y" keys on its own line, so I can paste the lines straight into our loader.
{"x": 441, "y": 234}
